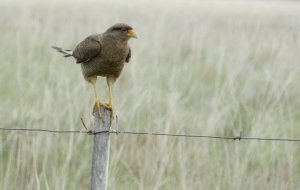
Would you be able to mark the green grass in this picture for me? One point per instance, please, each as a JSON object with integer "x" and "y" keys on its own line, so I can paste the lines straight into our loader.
{"x": 198, "y": 68}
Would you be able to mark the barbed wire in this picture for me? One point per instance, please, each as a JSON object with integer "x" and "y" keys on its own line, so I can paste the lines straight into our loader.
{"x": 39, "y": 130}
{"x": 90, "y": 132}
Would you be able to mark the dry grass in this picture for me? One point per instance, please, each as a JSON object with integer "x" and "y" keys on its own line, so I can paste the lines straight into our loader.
{"x": 205, "y": 68}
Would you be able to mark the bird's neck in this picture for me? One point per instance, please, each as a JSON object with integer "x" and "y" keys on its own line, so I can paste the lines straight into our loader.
{"x": 118, "y": 39}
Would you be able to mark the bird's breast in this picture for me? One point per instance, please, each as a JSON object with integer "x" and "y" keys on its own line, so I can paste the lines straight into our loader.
{"x": 109, "y": 62}
{"x": 115, "y": 53}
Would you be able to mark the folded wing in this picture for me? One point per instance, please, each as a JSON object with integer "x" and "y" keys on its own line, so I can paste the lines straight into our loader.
{"x": 88, "y": 49}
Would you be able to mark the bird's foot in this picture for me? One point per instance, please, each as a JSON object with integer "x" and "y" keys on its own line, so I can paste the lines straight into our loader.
{"x": 97, "y": 107}
{"x": 111, "y": 108}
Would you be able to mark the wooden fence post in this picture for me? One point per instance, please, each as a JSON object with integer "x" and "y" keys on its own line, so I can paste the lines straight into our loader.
{"x": 100, "y": 160}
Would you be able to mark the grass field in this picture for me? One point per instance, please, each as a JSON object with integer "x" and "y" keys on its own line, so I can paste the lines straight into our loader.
{"x": 207, "y": 68}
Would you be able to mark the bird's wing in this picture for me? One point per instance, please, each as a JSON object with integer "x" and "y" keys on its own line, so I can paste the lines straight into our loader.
{"x": 87, "y": 49}
{"x": 128, "y": 56}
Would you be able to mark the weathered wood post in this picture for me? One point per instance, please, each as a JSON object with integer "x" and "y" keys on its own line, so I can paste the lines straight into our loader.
{"x": 100, "y": 158}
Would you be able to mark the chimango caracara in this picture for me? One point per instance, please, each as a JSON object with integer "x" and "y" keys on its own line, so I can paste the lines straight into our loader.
{"x": 103, "y": 55}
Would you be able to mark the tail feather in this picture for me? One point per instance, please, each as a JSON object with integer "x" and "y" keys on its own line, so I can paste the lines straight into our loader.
{"x": 67, "y": 53}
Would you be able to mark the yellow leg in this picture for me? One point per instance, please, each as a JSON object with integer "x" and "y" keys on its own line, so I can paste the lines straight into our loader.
{"x": 96, "y": 96}
{"x": 110, "y": 81}
{"x": 98, "y": 102}
{"x": 110, "y": 96}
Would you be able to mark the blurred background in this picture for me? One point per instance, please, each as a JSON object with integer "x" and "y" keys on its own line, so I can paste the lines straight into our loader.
{"x": 198, "y": 67}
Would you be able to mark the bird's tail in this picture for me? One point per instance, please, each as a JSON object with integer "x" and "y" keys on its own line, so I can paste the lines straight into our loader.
{"x": 67, "y": 53}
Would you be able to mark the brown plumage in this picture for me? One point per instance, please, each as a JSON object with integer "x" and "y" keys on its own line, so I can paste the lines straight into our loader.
{"x": 103, "y": 55}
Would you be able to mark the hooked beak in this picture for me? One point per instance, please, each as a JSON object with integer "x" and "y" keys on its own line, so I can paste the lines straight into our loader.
{"x": 131, "y": 33}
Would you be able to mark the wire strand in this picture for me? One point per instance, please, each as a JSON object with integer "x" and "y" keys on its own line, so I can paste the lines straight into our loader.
{"x": 40, "y": 130}
{"x": 89, "y": 132}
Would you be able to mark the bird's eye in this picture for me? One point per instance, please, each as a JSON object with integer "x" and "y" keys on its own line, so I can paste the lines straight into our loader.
{"x": 123, "y": 29}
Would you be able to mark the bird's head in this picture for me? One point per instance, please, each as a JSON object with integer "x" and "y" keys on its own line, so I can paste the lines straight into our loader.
{"x": 122, "y": 31}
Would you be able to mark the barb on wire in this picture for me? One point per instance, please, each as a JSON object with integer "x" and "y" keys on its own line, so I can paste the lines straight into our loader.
{"x": 90, "y": 132}
{"x": 203, "y": 136}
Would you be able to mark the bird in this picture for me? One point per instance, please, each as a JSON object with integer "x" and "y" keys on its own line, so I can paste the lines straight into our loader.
{"x": 103, "y": 55}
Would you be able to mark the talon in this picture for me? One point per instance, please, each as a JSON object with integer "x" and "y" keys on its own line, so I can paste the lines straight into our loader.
{"x": 96, "y": 108}
{"x": 111, "y": 107}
